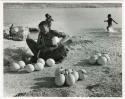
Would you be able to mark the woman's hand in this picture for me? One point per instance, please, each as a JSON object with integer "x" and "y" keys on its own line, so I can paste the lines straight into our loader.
{"x": 64, "y": 40}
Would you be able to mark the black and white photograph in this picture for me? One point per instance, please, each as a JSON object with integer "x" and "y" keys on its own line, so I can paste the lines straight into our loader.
{"x": 62, "y": 49}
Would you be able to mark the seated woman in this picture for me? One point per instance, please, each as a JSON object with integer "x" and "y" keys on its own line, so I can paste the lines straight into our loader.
{"x": 44, "y": 47}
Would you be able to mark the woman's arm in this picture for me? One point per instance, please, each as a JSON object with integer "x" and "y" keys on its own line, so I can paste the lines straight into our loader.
{"x": 38, "y": 40}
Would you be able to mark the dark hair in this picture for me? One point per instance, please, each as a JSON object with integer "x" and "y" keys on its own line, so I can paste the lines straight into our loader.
{"x": 109, "y": 15}
{"x": 47, "y": 15}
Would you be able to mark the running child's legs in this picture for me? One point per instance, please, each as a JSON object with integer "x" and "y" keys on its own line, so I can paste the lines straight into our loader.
{"x": 108, "y": 28}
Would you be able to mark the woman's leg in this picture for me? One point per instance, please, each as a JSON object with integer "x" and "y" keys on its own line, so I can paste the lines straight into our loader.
{"x": 32, "y": 45}
{"x": 58, "y": 54}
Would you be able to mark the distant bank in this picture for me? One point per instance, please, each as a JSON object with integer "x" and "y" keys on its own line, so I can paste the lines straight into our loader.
{"x": 60, "y": 5}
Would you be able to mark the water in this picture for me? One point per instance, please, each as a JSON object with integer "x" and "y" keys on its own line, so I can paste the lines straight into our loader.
{"x": 69, "y": 20}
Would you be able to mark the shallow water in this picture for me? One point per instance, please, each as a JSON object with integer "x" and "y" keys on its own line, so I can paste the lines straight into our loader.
{"x": 69, "y": 20}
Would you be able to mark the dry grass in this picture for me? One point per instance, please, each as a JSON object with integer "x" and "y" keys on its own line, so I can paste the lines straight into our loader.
{"x": 16, "y": 55}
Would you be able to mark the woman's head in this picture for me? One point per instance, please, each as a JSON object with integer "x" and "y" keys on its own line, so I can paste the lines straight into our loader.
{"x": 48, "y": 17}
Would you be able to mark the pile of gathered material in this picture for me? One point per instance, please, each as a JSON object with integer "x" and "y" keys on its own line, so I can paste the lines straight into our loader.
{"x": 38, "y": 66}
{"x": 18, "y": 33}
{"x": 69, "y": 77}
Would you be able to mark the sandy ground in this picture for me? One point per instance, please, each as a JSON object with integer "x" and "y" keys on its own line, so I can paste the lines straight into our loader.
{"x": 102, "y": 81}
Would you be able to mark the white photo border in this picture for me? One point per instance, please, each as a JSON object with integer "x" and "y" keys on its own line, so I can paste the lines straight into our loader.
{"x": 30, "y": 1}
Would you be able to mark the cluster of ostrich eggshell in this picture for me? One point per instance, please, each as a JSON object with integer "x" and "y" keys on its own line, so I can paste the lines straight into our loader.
{"x": 38, "y": 66}
{"x": 69, "y": 76}
{"x": 56, "y": 40}
{"x": 100, "y": 58}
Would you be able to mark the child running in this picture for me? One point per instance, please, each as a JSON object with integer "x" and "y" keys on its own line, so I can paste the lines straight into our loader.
{"x": 110, "y": 20}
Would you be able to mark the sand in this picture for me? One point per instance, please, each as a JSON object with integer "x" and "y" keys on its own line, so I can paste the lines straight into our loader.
{"x": 102, "y": 81}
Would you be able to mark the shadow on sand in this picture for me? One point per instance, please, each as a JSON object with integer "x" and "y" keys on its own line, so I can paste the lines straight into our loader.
{"x": 15, "y": 72}
{"x": 85, "y": 63}
{"x": 45, "y": 82}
